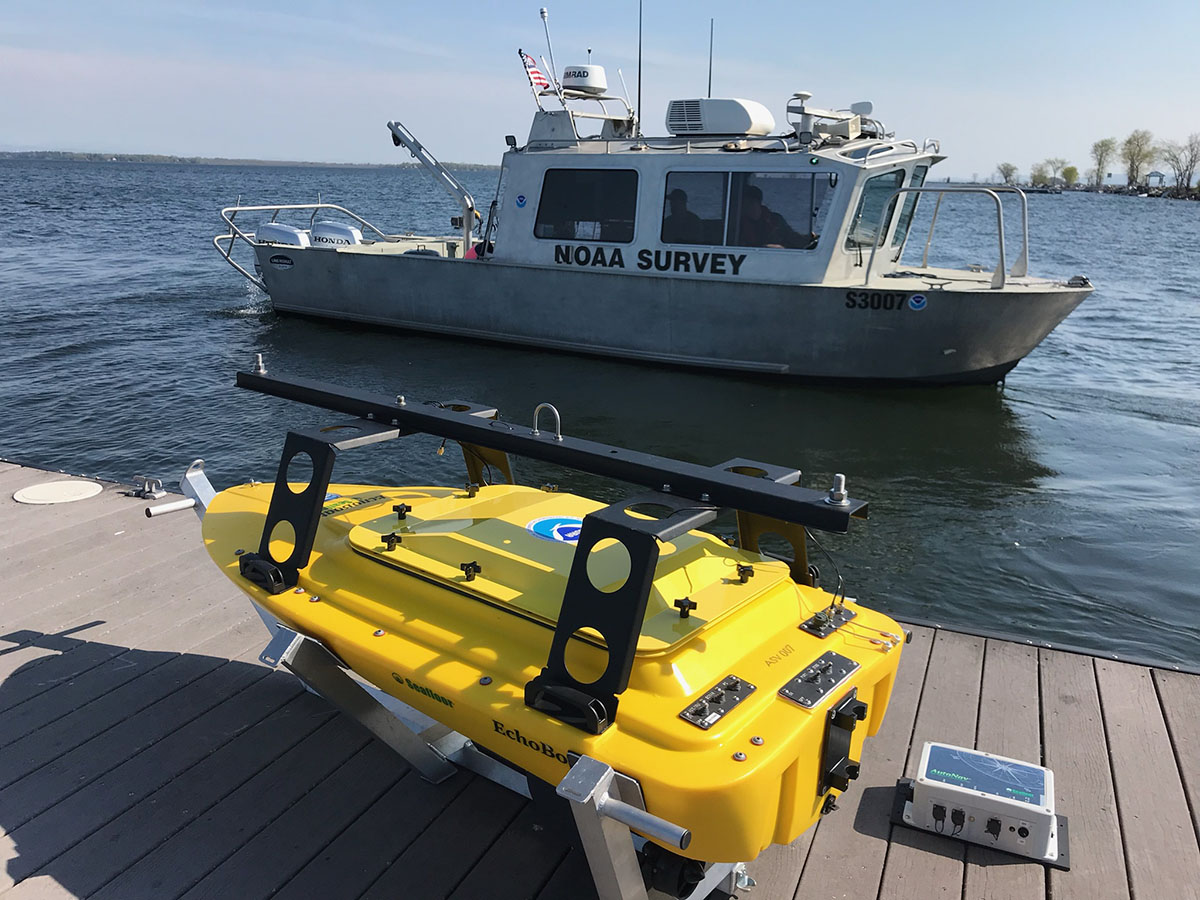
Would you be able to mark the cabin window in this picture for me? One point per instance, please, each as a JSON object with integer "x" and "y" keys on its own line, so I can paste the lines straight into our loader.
{"x": 865, "y": 226}
{"x": 746, "y": 209}
{"x": 587, "y": 205}
{"x": 694, "y": 208}
{"x": 778, "y": 209}
{"x": 907, "y": 210}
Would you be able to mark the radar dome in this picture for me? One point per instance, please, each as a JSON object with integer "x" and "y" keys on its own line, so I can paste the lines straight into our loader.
{"x": 587, "y": 79}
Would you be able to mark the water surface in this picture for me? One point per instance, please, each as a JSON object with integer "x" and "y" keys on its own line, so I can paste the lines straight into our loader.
{"x": 1063, "y": 507}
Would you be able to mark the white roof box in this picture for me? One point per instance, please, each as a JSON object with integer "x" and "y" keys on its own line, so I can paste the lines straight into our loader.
{"x": 718, "y": 117}
{"x": 585, "y": 79}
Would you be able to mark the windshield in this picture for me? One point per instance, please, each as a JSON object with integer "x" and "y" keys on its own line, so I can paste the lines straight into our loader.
{"x": 865, "y": 227}
{"x": 908, "y": 210}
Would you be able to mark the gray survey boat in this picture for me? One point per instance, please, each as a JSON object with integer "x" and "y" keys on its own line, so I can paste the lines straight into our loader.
{"x": 723, "y": 245}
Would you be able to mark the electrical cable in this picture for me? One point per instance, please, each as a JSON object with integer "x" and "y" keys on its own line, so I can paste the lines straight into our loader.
{"x": 466, "y": 449}
{"x": 840, "y": 593}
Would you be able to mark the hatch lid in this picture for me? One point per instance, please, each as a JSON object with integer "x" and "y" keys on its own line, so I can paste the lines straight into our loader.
{"x": 523, "y": 542}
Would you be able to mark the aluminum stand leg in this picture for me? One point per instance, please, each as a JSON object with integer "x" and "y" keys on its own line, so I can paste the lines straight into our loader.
{"x": 604, "y": 824}
{"x": 606, "y": 842}
{"x": 320, "y": 671}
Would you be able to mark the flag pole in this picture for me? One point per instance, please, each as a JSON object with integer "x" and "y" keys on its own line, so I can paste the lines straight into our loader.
{"x": 532, "y": 86}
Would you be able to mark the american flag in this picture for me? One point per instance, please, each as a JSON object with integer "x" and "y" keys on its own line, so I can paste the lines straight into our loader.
{"x": 536, "y": 78}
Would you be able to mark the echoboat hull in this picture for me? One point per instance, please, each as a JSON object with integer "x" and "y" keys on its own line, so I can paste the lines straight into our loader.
{"x": 461, "y": 647}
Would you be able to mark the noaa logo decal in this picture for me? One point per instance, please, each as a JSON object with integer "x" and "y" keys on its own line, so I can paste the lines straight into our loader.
{"x": 917, "y": 302}
{"x": 520, "y": 201}
{"x": 557, "y": 529}
{"x": 331, "y": 496}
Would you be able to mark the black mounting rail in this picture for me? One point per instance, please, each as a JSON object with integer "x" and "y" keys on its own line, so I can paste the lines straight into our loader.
{"x": 748, "y": 487}
{"x": 766, "y": 497}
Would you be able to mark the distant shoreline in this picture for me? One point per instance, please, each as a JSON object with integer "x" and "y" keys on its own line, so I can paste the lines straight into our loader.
{"x": 160, "y": 159}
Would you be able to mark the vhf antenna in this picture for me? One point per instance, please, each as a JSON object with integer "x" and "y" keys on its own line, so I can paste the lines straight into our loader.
{"x": 710, "y": 49}
{"x": 639, "y": 105}
{"x": 549, "y": 46}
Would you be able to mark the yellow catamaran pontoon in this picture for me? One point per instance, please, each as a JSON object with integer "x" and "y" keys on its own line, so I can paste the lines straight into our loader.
{"x": 703, "y": 692}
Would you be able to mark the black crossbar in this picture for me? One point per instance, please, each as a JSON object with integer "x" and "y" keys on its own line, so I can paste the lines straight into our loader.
{"x": 710, "y": 485}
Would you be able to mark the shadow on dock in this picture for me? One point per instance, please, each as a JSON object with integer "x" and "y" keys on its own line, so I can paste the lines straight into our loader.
{"x": 130, "y": 773}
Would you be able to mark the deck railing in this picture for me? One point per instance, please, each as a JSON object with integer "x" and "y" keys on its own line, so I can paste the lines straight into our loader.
{"x": 229, "y": 214}
{"x": 999, "y": 276}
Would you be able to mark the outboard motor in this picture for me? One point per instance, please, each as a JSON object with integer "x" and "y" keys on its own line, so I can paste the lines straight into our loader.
{"x": 278, "y": 233}
{"x": 335, "y": 234}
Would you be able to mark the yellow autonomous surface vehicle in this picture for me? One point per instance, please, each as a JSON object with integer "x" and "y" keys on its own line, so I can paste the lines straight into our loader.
{"x": 548, "y": 627}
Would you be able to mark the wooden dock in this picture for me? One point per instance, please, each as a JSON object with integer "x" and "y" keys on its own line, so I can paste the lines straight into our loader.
{"x": 145, "y": 753}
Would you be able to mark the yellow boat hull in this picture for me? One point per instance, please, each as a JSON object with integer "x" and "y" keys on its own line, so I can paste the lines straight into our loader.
{"x": 461, "y": 648}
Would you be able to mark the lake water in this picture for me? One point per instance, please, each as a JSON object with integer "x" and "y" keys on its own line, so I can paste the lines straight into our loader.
{"x": 1063, "y": 507}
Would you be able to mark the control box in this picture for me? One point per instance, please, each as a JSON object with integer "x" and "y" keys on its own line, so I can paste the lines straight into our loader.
{"x": 984, "y": 799}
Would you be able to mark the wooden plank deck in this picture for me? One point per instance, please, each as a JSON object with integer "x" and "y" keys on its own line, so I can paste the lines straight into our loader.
{"x": 145, "y": 753}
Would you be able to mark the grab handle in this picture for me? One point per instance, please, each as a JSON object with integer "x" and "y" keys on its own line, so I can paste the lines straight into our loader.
{"x": 557, "y": 420}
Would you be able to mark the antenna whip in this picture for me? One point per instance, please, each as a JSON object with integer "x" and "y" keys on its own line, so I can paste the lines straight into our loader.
{"x": 549, "y": 46}
{"x": 710, "y": 48}
{"x": 639, "y": 105}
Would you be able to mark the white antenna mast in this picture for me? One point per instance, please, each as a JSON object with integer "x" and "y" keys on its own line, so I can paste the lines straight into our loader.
{"x": 549, "y": 46}
{"x": 624, "y": 87}
{"x": 710, "y": 48}
{"x": 639, "y": 104}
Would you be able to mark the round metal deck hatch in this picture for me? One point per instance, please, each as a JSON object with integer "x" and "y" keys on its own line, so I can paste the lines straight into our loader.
{"x": 57, "y": 492}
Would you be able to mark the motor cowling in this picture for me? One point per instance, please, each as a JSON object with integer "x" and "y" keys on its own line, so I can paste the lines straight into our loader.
{"x": 335, "y": 234}
{"x": 278, "y": 233}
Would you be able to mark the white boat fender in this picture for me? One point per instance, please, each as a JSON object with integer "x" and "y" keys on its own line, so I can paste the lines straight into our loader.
{"x": 331, "y": 235}
{"x": 278, "y": 233}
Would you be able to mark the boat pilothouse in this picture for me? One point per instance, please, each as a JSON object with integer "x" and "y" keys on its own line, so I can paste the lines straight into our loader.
{"x": 728, "y": 243}
{"x": 719, "y": 197}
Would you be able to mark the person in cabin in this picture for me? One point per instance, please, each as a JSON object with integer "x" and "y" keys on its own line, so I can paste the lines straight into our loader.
{"x": 761, "y": 226}
{"x": 681, "y": 225}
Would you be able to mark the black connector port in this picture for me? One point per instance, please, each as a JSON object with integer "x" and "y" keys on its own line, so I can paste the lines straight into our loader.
{"x": 958, "y": 817}
{"x": 993, "y": 828}
{"x": 939, "y": 812}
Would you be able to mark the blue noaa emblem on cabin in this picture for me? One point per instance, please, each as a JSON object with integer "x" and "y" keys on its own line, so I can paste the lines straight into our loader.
{"x": 520, "y": 201}
{"x": 558, "y": 529}
{"x": 917, "y": 301}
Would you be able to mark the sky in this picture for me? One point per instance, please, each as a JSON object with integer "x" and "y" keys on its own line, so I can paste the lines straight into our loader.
{"x": 318, "y": 81}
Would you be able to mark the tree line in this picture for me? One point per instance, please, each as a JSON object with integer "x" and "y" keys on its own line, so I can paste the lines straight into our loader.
{"x": 1136, "y": 153}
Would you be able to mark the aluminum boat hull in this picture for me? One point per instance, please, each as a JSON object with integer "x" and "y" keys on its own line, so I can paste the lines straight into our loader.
{"x": 899, "y": 330}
